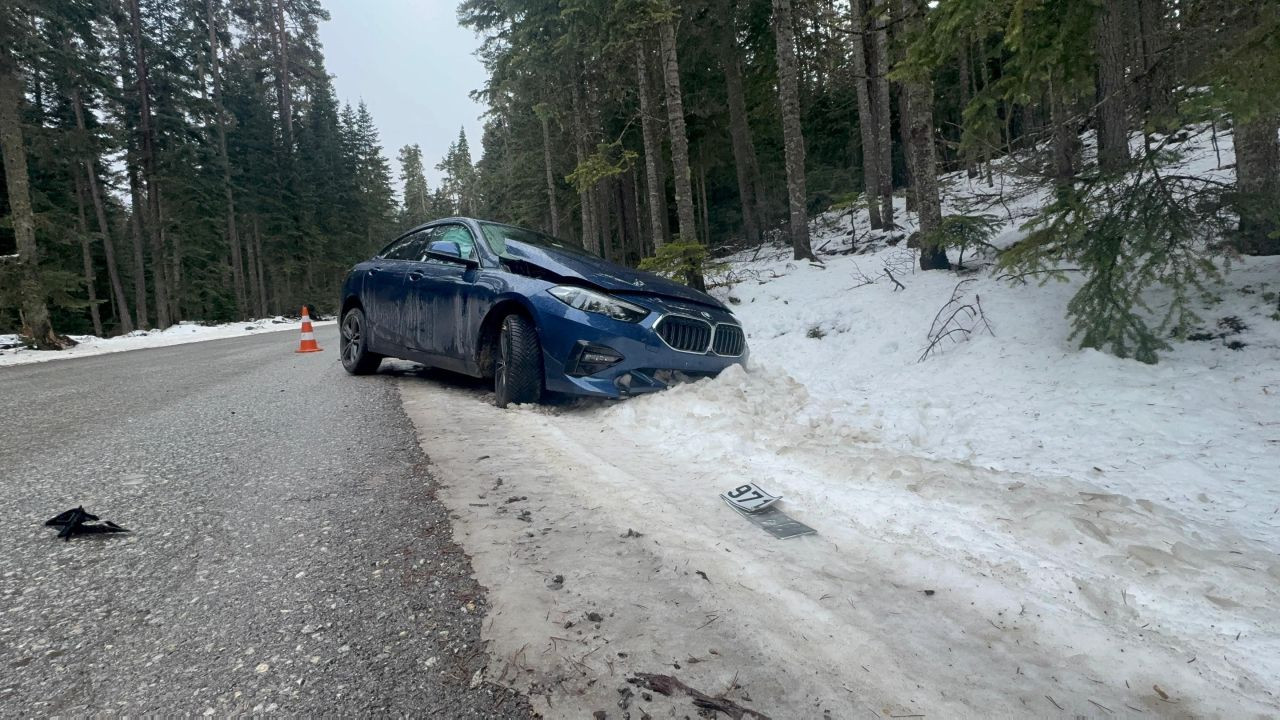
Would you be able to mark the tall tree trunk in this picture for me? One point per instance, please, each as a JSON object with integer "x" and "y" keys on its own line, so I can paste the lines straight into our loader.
{"x": 600, "y": 194}
{"x": 86, "y": 256}
{"x": 688, "y": 229}
{"x": 966, "y": 96}
{"x": 652, "y": 150}
{"x": 586, "y": 198}
{"x": 137, "y": 232}
{"x": 251, "y": 260}
{"x": 109, "y": 250}
{"x": 633, "y": 246}
{"x": 158, "y": 280}
{"x": 261, "y": 263}
{"x": 104, "y": 228}
{"x": 883, "y": 112}
{"x": 1113, "y": 102}
{"x": 984, "y": 76}
{"x": 551, "y": 176}
{"x": 175, "y": 259}
{"x": 792, "y": 136}
{"x": 744, "y": 152}
{"x": 599, "y": 190}
{"x": 35, "y": 310}
{"x": 1066, "y": 143}
{"x": 866, "y": 115}
{"x": 924, "y": 157}
{"x": 1156, "y": 82}
{"x": 904, "y": 131}
{"x": 1258, "y": 182}
{"x": 233, "y": 237}
{"x": 284, "y": 91}
{"x": 704, "y": 211}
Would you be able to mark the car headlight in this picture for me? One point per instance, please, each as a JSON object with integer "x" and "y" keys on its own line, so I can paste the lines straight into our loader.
{"x": 599, "y": 303}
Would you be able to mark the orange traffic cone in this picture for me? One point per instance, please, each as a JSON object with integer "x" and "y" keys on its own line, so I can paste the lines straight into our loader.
{"x": 308, "y": 337}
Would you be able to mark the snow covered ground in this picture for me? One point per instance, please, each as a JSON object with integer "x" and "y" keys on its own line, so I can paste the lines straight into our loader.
{"x": 13, "y": 353}
{"x": 1012, "y": 527}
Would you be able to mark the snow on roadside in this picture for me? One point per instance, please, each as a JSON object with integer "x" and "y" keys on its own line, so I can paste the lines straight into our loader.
{"x": 12, "y": 352}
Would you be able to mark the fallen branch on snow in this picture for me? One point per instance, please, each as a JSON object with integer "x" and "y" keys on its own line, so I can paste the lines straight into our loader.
{"x": 667, "y": 685}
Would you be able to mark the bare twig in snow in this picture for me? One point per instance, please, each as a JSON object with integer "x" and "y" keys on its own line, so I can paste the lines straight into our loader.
{"x": 961, "y": 319}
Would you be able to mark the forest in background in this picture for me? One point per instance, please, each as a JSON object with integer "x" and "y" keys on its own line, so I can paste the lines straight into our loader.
{"x": 654, "y": 132}
{"x": 177, "y": 159}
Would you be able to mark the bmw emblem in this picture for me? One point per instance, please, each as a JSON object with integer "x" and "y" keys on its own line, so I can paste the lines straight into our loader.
{"x": 706, "y": 314}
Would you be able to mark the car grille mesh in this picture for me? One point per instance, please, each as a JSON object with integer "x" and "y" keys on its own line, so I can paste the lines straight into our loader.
{"x": 729, "y": 341}
{"x": 685, "y": 334}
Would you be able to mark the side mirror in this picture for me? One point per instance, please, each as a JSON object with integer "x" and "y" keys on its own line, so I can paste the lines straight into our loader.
{"x": 449, "y": 251}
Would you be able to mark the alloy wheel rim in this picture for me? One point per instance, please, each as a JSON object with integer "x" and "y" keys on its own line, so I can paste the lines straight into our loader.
{"x": 350, "y": 339}
{"x": 504, "y": 353}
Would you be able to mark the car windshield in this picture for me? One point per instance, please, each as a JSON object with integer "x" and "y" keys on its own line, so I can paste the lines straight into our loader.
{"x": 498, "y": 236}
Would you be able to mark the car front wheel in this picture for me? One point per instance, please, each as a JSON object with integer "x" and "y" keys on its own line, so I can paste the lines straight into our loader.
{"x": 518, "y": 368}
{"x": 354, "y": 344}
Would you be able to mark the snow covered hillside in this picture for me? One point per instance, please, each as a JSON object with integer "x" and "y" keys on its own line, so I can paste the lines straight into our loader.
{"x": 13, "y": 352}
{"x": 1201, "y": 429}
{"x": 1011, "y": 526}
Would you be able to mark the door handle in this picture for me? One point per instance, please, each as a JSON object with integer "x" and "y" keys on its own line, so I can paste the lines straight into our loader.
{"x": 415, "y": 275}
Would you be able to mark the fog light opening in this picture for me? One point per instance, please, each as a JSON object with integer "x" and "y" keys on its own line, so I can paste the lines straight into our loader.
{"x": 590, "y": 359}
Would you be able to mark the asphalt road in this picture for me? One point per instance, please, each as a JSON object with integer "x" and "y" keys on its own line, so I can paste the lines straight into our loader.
{"x": 288, "y": 553}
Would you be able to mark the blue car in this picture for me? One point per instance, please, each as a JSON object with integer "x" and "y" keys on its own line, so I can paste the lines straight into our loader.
{"x": 533, "y": 313}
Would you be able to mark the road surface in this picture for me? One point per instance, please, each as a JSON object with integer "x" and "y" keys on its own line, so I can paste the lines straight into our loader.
{"x": 288, "y": 552}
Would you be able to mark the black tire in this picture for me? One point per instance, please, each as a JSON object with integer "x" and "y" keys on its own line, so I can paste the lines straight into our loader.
{"x": 353, "y": 344}
{"x": 517, "y": 372}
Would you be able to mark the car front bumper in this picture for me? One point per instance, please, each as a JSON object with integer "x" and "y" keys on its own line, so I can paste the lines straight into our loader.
{"x": 648, "y": 364}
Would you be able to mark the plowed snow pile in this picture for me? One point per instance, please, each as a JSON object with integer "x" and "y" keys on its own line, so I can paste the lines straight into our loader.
{"x": 1011, "y": 528}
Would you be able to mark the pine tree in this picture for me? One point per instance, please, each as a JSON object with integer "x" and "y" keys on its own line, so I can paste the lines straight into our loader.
{"x": 417, "y": 197}
{"x": 458, "y": 180}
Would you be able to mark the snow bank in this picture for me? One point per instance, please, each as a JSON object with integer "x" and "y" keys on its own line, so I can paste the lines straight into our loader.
{"x": 12, "y": 352}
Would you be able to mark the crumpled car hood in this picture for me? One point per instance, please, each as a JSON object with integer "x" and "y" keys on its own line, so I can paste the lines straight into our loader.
{"x": 606, "y": 275}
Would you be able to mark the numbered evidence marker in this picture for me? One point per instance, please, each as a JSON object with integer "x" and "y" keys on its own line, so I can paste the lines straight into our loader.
{"x": 756, "y": 505}
{"x": 749, "y": 498}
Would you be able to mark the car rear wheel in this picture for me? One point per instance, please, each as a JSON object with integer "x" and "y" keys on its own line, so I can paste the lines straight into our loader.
{"x": 354, "y": 344}
{"x": 517, "y": 376}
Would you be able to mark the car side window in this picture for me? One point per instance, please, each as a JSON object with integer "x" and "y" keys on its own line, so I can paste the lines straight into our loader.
{"x": 395, "y": 246}
{"x": 457, "y": 234}
{"x": 410, "y": 248}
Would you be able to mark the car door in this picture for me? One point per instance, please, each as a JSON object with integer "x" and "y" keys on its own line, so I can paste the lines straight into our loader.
{"x": 389, "y": 324}
{"x": 418, "y": 297}
{"x": 447, "y": 323}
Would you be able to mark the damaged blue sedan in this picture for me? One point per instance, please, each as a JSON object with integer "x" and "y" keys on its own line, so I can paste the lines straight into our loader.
{"x": 531, "y": 312}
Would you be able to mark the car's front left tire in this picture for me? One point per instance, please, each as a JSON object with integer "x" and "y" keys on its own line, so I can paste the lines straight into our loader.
{"x": 353, "y": 344}
{"x": 517, "y": 376}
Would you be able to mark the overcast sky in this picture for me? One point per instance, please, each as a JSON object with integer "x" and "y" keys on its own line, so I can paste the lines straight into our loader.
{"x": 414, "y": 67}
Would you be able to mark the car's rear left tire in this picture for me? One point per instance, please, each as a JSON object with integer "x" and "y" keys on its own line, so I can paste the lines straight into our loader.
{"x": 517, "y": 376}
{"x": 353, "y": 344}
